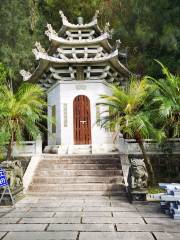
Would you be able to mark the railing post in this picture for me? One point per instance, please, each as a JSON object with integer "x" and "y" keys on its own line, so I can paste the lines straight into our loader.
{"x": 123, "y": 146}
{"x": 38, "y": 145}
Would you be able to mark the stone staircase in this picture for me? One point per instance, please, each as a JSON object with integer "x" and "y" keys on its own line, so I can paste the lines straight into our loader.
{"x": 80, "y": 149}
{"x": 78, "y": 175}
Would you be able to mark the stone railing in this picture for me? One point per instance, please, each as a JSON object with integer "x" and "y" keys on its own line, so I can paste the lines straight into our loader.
{"x": 130, "y": 146}
{"x": 27, "y": 148}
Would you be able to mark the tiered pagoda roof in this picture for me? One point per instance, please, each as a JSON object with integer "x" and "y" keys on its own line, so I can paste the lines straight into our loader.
{"x": 77, "y": 52}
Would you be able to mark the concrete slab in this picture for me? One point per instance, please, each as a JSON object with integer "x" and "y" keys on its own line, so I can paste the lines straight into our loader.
{"x": 41, "y": 236}
{"x": 5, "y": 209}
{"x": 2, "y": 234}
{"x": 82, "y": 227}
{"x": 167, "y": 236}
{"x": 112, "y": 220}
{"x": 121, "y": 204}
{"x": 57, "y": 209}
{"x": 162, "y": 221}
{"x": 39, "y": 214}
{"x": 28, "y": 200}
{"x": 20, "y": 209}
{"x": 147, "y": 228}
{"x": 110, "y": 209}
{"x": 115, "y": 236}
{"x": 83, "y": 214}
{"x": 153, "y": 215}
{"x": 9, "y": 220}
{"x": 96, "y": 204}
{"x": 22, "y": 227}
{"x": 15, "y": 215}
{"x": 126, "y": 214}
{"x": 51, "y": 220}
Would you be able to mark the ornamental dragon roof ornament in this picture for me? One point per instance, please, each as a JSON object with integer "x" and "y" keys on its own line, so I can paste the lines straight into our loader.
{"x": 96, "y": 15}
{"x": 25, "y": 74}
{"x": 66, "y": 23}
{"x": 108, "y": 30}
{"x": 50, "y": 31}
{"x": 39, "y": 51}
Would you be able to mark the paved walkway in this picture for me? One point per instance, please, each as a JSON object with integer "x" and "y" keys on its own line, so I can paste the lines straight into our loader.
{"x": 85, "y": 218}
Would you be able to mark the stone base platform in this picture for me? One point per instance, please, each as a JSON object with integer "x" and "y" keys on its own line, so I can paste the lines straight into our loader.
{"x": 85, "y": 218}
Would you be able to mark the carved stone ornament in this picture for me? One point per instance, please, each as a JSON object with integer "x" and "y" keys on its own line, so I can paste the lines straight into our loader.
{"x": 108, "y": 30}
{"x": 36, "y": 53}
{"x": 50, "y": 31}
{"x": 64, "y": 18}
{"x": 118, "y": 43}
{"x": 138, "y": 176}
{"x": 96, "y": 15}
{"x": 39, "y": 47}
{"x": 39, "y": 51}
{"x": 25, "y": 74}
{"x": 14, "y": 173}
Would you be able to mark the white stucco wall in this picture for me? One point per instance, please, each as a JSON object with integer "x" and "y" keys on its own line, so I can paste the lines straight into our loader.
{"x": 64, "y": 93}
{"x": 54, "y": 99}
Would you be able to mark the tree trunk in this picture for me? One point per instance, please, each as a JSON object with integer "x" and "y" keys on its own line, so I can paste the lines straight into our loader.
{"x": 10, "y": 149}
{"x": 147, "y": 162}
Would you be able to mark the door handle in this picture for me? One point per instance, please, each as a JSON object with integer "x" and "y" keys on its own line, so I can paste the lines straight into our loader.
{"x": 83, "y": 122}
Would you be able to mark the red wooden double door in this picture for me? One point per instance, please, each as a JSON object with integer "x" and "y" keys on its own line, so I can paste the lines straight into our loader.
{"x": 82, "y": 120}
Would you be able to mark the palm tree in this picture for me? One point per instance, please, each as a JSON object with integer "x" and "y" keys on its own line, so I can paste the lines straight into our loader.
{"x": 166, "y": 100}
{"x": 19, "y": 112}
{"x": 126, "y": 114}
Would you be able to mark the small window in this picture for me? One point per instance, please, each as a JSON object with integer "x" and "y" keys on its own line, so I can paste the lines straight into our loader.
{"x": 80, "y": 73}
{"x": 65, "y": 114}
{"x": 53, "y": 113}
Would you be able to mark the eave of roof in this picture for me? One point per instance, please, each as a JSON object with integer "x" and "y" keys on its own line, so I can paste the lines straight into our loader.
{"x": 102, "y": 40}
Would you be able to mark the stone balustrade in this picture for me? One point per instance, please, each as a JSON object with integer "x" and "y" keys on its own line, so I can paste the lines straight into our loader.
{"x": 130, "y": 146}
{"x": 27, "y": 148}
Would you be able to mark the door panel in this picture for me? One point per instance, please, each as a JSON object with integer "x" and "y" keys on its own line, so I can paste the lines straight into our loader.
{"x": 82, "y": 120}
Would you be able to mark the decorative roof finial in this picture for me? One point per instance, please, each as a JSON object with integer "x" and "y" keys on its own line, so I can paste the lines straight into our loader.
{"x": 25, "y": 74}
{"x": 50, "y": 31}
{"x": 107, "y": 27}
{"x": 118, "y": 43}
{"x": 96, "y": 15}
{"x": 64, "y": 18}
{"x": 80, "y": 20}
{"x": 108, "y": 30}
{"x": 39, "y": 47}
{"x": 38, "y": 50}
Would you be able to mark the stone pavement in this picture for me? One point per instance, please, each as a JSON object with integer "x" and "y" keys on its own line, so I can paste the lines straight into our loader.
{"x": 85, "y": 218}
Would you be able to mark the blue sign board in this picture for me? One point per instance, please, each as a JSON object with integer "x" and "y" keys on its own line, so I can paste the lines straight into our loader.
{"x": 3, "y": 179}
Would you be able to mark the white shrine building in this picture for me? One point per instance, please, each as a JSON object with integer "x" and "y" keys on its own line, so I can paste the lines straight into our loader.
{"x": 75, "y": 71}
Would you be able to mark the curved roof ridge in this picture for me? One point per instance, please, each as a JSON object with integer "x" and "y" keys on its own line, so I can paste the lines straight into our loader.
{"x": 66, "y": 23}
{"x": 56, "y": 38}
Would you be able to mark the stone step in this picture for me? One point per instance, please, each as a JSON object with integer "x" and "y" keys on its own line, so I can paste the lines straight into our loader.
{"x": 56, "y": 173}
{"x": 75, "y": 187}
{"x": 85, "y": 156}
{"x": 78, "y": 175}
{"x": 121, "y": 193}
{"x": 81, "y": 161}
{"x": 77, "y": 179}
{"x": 80, "y": 149}
{"x": 43, "y": 165}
